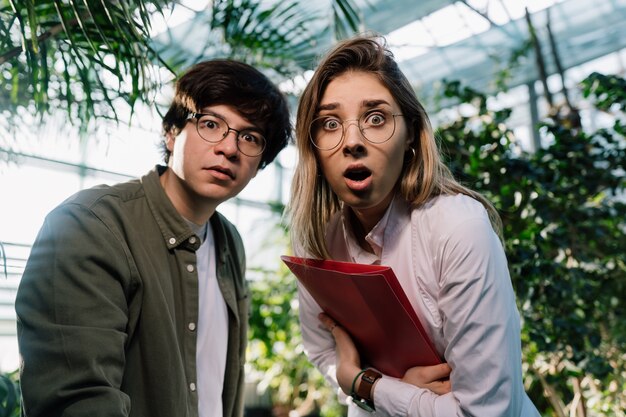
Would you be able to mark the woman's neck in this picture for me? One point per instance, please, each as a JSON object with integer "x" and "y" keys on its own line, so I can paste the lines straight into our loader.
{"x": 359, "y": 232}
{"x": 363, "y": 221}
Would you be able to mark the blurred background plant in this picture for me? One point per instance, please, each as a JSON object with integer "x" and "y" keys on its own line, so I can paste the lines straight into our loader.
{"x": 564, "y": 214}
{"x": 275, "y": 354}
{"x": 9, "y": 395}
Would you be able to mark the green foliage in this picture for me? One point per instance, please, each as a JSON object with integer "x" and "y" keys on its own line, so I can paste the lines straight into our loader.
{"x": 92, "y": 59}
{"x": 564, "y": 223}
{"x": 80, "y": 58}
{"x": 9, "y": 395}
{"x": 275, "y": 350}
{"x": 609, "y": 91}
{"x": 345, "y": 17}
{"x": 270, "y": 36}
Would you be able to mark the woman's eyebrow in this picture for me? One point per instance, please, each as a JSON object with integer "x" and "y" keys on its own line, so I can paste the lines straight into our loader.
{"x": 328, "y": 106}
{"x": 374, "y": 103}
{"x": 367, "y": 103}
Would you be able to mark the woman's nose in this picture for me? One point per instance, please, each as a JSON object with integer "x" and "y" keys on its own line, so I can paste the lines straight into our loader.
{"x": 353, "y": 140}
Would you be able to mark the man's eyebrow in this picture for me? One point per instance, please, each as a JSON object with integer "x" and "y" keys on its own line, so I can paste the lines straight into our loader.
{"x": 250, "y": 126}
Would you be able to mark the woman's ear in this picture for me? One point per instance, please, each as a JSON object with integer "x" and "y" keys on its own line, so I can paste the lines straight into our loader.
{"x": 410, "y": 137}
{"x": 408, "y": 143}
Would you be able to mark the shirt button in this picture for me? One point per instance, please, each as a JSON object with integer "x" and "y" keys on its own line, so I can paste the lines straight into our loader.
{"x": 192, "y": 240}
{"x": 192, "y": 326}
{"x": 172, "y": 240}
{"x": 190, "y": 268}
{"x": 192, "y": 387}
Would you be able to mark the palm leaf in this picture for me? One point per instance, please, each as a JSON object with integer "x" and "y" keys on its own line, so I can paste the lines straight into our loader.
{"x": 93, "y": 50}
{"x": 346, "y": 18}
{"x": 84, "y": 57}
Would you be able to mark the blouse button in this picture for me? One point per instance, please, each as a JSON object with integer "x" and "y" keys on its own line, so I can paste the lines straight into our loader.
{"x": 172, "y": 240}
{"x": 192, "y": 240}
{"x": 190, "y": 268}
{"x": 192, "y": 326}
{"x": 192, "y": 387}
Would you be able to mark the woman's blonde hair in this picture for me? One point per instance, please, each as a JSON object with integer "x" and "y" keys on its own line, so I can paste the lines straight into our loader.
{"x": 423, "y": 176}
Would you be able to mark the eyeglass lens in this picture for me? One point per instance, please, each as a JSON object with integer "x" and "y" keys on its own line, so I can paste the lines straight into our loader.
{"x": 214, "y": 129}
{"x": 376, "y": 126}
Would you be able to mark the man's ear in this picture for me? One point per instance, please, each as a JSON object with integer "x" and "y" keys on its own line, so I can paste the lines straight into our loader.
{"x": 170, "y": 137}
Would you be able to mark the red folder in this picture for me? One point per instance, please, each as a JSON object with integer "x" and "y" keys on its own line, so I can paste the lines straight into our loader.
{"x": 368, "y": 301}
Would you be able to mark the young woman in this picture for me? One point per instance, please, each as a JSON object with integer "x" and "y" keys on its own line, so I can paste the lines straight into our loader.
{"x": 370, "y": 188}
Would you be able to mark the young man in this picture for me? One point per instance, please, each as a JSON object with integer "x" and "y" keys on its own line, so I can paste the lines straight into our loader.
{"x": 134, "y": 301}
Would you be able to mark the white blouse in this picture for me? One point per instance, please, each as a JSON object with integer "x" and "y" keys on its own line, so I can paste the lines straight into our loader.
{"x": 453, "y": 269}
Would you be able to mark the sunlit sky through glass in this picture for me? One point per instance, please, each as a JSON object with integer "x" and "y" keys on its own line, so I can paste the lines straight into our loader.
{"x": 456, "y": 22}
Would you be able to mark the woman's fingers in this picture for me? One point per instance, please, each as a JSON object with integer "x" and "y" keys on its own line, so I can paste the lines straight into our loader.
{"x": 426, "y": 374}
{"x": 440, "y": 387}
{"x": 434, "y": 378}
{"x": 440, "y": 371}
{"x": 327, "y": 322}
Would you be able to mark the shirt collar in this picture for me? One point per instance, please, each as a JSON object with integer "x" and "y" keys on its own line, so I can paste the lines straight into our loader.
{"x": 395, "y": 218}
{"x": 172, "y": 225}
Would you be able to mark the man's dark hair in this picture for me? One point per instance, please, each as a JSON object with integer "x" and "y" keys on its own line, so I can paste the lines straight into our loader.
{"x": 233, "y": 83}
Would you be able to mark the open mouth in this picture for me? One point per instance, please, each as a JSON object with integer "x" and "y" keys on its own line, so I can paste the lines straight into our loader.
{"x": 357, "y": 174}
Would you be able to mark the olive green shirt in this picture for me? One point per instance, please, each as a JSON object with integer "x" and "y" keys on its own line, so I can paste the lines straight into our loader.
{"x": 108, "y": 305}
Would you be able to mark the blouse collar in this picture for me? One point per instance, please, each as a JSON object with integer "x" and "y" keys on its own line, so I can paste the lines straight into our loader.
{"x": 396, "y": 216}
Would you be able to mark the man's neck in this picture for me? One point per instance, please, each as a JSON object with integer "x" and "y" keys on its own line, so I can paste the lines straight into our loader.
{"x": 176, "y": 192}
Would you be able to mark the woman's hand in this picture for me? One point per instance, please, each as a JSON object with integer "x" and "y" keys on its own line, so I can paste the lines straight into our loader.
{"x": 435, "y": 378}
{"x": 348, "y": 359}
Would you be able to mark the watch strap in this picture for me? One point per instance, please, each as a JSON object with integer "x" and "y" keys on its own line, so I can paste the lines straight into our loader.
{"x": 368, "y": 378}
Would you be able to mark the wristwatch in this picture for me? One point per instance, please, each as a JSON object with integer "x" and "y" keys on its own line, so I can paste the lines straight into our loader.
{"x": 363, "y": 395}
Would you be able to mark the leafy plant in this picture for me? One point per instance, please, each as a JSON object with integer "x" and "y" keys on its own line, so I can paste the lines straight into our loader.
{"x": 79, "y": 57}
{"x": 85, "y": 59}
{"x": 564, "y": 223}
{"x": 9, "y": 395}
{"x": 275, "y": 353}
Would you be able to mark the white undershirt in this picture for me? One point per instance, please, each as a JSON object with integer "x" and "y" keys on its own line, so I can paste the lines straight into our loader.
{"x": 212, "y": 342}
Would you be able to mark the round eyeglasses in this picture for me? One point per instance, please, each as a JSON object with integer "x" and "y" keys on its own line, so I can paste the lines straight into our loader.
{"x": 376, "y": 126}
{"x": 214, "y": 129}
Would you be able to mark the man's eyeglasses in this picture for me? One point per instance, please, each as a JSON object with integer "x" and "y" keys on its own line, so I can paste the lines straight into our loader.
{"x": 376, "y": 126}
{"x": 214, "y": 129}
